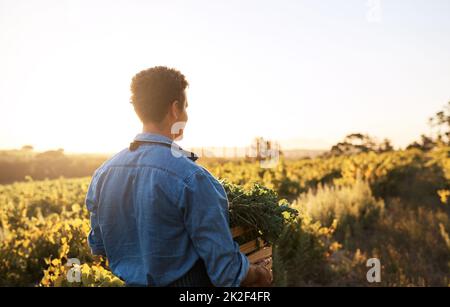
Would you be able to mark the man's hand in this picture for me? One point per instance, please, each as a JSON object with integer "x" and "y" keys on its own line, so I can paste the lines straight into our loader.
{"x": 257, "y": 276}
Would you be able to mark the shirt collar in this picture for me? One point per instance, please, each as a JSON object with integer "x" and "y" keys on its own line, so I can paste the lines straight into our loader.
{"x": 154, "y": 137}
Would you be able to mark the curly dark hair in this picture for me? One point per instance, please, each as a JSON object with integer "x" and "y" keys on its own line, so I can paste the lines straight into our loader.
{"x": 154, "y": 89}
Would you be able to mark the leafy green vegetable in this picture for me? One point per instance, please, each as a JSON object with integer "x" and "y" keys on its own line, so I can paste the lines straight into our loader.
{"x": 258, "y": 209}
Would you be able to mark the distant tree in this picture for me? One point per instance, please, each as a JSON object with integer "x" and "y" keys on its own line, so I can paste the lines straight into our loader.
{"x": 50, "y": 154}
{"x": 425, "y": 144}
{"x": 27, "y": 148}
{"x": 441, "y": 123}
{"x": 385, "y": 146}
{"x": 343, "y": 148}
{"x": 357, "y": 143}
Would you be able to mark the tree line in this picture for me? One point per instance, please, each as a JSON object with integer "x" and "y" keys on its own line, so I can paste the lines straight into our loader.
{"x": 355, "y": 143}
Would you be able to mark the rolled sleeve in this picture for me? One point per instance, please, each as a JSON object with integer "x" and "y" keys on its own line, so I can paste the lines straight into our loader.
{"x": 205, "y": 211}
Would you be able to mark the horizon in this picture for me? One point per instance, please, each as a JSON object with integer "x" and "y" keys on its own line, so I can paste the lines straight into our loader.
{"x": 219, "y": 149}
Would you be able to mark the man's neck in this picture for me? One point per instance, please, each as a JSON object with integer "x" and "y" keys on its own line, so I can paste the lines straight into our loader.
{"x": 154, "y": 128}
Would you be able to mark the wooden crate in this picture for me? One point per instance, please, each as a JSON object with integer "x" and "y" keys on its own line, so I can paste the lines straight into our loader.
{"x": 254, "y": 251}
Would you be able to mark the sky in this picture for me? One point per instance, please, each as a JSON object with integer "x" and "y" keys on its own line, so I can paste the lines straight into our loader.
{"x": 305, "y": 73}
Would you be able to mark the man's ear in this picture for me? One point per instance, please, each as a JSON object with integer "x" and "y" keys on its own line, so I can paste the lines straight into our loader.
{"x": 174, "y": 109}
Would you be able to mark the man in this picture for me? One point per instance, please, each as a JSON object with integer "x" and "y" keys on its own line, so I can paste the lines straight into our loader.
{"x": 159, "y": 218}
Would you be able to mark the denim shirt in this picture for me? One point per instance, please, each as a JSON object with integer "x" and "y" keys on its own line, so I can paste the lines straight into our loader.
{"x": 154, "y": 214}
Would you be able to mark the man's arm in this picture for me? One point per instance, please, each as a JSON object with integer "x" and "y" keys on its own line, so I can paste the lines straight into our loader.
{"x": 94, "y": 238}
{"x": 204, "y": 206}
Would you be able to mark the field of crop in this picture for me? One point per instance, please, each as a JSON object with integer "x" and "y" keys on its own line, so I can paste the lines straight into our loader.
{"x": 328, "y": 216}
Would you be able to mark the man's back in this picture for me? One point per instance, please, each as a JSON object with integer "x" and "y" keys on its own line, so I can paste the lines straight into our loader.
{"x": 155, "y": 214}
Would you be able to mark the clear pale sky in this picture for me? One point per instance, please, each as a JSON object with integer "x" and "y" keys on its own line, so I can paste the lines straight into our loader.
{"x": 304, "y": 72}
